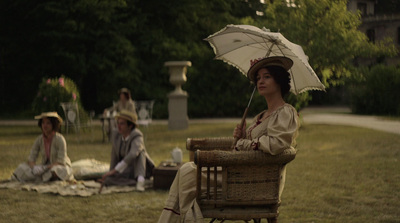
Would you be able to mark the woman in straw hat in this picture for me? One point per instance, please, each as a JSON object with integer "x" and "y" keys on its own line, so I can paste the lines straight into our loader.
{"x": 130, "y": 164}
{"x": 272, "y": 131}
{"x": 51, "y": 147}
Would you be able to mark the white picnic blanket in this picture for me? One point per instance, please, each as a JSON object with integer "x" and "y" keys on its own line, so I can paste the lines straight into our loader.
{"x": 73, "y": 188}
{"x": 85, "y": 171}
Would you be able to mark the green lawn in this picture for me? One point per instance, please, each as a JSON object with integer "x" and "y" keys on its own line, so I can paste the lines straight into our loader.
{"x": 341, "y": 174}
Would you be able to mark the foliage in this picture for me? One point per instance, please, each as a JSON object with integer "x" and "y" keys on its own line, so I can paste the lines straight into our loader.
{"x": 299, "y": 101}
{"x": 215, "y": 89}
{"x": 52, "y": 92}
{"x": 86, "y": 40}
{"x": 328, "y": 33}
{"x": 106, "y": 45}
{"x": 376, "y": 91}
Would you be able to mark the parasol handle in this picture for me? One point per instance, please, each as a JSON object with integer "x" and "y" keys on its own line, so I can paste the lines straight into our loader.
{"x": 241, "y": 127}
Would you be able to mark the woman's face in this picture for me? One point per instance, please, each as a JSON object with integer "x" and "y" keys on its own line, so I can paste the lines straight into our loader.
{"x": 47, "y": 127}
{"x": 123, "y": 127}
{"x": 266, "y": 84}
{"x": 122, "y": 97}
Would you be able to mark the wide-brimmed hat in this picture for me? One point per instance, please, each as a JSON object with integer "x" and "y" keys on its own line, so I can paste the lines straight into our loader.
{"x": 127, "y": 115}
{"x": 49, "y": 115}
{"x": 284, "y": 62}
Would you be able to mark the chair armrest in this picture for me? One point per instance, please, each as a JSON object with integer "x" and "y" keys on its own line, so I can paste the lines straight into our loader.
{"x": 229, "y": 158}
{"x": 211, "y": 143}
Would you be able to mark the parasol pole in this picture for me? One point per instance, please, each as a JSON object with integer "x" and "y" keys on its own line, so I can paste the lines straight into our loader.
{"x": 243, "y": 118}
{"x": 245, "y": 111}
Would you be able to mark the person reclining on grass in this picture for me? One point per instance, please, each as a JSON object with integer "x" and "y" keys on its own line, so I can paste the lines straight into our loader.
{"x": 52, "y": 148}
{"x": 130, "y": 163}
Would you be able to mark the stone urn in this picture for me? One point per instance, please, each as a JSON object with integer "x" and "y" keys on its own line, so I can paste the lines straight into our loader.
{"x": 177, "y": 104}
{"x": 177, "y": 74}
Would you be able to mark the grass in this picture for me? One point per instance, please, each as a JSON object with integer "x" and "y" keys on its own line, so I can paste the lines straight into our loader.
{"x": 341, "y": 174}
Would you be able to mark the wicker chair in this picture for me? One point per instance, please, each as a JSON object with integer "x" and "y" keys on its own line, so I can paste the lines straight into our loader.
{"x": 249, "y": 188}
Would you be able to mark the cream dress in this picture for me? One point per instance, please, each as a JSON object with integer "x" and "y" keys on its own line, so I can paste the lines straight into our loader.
{"x": 58, "y": 153}
{"x": 273, "y": 135}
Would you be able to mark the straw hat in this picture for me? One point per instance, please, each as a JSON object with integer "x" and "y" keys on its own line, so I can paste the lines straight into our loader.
{"x": 49, "y": 115}
{"x": 284, "y": 62}
{"x": 127, "y": 115}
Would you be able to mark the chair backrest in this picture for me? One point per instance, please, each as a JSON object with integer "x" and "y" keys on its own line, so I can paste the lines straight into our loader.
{"x": 71, "y": 112}
{"x": 144, "y": 110}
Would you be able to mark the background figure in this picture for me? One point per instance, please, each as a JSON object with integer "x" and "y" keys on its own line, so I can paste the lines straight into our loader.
{"x": 272, "y": 131}
{"x": 130, "y": 164}
{"x": 51, "y": 147}
{"x": 125, "y": 102}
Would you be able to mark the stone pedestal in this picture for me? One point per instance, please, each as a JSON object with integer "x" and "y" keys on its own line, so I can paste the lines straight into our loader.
{"x": 177, "y": 104}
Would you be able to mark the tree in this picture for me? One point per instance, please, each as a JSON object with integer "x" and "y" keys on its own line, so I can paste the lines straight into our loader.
{"x": 376, "y": 91}
{"x": 328, "y": 33}
{"x": 175, "y": 31}
{"x": 105, "y": 45}
{"x": 110, "y": 44}
{"x": 83, "y": 40}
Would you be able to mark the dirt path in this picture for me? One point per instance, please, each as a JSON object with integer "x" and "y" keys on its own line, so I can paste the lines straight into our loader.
{"x": 342, "y": 116}
{"x": 310, "y": 115}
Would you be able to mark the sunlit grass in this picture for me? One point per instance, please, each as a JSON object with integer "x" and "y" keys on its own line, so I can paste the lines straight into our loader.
{"x": 340, "y": 174}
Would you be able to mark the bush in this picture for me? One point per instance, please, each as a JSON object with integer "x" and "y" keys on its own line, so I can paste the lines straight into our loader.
{"x": 54, "y": 91}
{"x": 299, "y": 101}
{"x": 376, "y": 91}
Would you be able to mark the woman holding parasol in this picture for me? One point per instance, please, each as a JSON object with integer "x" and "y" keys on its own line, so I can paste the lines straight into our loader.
{"x": 272, "y": 131}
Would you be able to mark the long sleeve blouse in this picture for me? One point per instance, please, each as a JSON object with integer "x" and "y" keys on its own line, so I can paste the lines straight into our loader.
{"x": 119, "y": 106}
{"x": 126, "y": 150}
{"x": 58, "y": 151}
{"x": 274, "y": 134}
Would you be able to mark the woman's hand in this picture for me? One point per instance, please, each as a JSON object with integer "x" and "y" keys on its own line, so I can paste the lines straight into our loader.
{"x": 53, "y": 164}
{"x": 240, "y": 133}
{"x": 109, "y": 173}
{"x": 31, "y": 164}
{"x": 38, "y": 170}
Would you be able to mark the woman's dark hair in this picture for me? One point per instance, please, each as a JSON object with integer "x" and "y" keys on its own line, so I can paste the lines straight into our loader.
{"x": 55, "y": 123}
{"x": 127, "y": 95}
{"x": 126, "y": 92}
{"x": 129, "y": 123}
{"x": 281, "y": 77}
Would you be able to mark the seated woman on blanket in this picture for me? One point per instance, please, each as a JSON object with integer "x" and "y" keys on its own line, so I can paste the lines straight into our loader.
{"x": 130, "y": 164}
{"x": 51, "y": 147}
{"x": 272, "y": 131}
